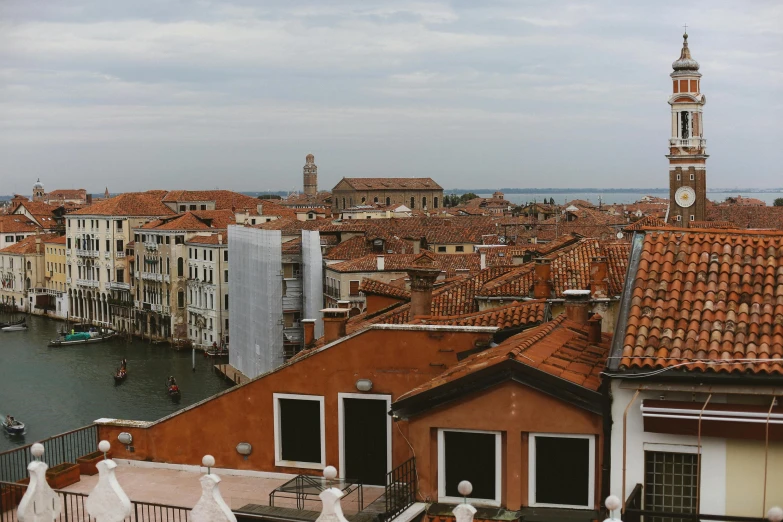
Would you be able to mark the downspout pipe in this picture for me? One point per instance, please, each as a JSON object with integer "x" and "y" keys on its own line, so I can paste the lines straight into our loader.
{"x": 606, "y": 469}
{"x": 625, "y": 441}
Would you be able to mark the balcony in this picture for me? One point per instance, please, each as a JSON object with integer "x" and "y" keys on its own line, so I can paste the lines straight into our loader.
{"x": 67, "y": 251}
{"x": 167, "y": 278}
{"x": 157, "y": 308}
{"x": 120, "y": 255}
{"x": 149, "y": 276}
{"x": 88, "y": 282}
{"x": 106, "y": 255}
{"x": 87, "y": 253}
{"x": 115, "y": 285}
{"x": 67, "y": 280}
{"x": 150, "y": 246}
{"x": 694, "y": 143}
{"x": 332, "y": 291}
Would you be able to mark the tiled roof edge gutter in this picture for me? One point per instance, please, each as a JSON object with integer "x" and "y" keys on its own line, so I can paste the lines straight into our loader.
{"x": 625, "y": 301}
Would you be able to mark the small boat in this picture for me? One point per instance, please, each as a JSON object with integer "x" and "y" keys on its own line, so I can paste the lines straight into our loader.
{"x": 120, "y": 376}
{"x": 13, "y": 323}
{"x": 15, "y": 327}
{"x": 216, "y": 352}
{"x": 13, "y": 427}
{"x": 83, "y": 334}
{"x": 172, "y": 389}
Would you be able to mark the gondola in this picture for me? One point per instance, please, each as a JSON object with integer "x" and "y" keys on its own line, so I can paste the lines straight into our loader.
{"x": 13, "y": 323}
{"x": 120, "y": 376}
{"x": 173, "y": 390}
{"x": 15, "y": 427}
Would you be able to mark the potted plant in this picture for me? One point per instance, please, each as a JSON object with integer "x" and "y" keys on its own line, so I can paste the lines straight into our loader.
{"x": 87, "y": 463}
{"x": 63, "y": 475}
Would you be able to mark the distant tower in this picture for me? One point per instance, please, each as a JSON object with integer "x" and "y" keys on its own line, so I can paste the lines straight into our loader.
{"x": 310, "y": 176}
{"x": 38, "y": 191}
{"x": 687, "y": 146}
{"x": 106, "y": 193}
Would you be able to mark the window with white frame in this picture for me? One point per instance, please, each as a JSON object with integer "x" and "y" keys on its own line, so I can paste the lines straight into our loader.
{"x": 469, "y": 455}
{"x": 549, "y": 455}
{"x": 299, "y": 431}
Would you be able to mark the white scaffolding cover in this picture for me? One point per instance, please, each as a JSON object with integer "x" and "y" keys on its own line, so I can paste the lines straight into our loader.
{"x": 313, "y": 276}
{"x": 255, "y": 288}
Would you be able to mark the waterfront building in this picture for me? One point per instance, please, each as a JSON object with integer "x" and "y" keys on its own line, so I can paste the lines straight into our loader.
{"x": 246, "y": 209}
{"x": 687, "y": 146}
{"x": 273, "y": 287}
{"x": 415, "y": 193}
{"x": 98, "y": 275}
{"x": 22, "y": 275}
{"x": 55, "y": 276}
{"x": 163, "y": 266}
{"x": 14, "y": 228}
{"x": 207, "y": 294}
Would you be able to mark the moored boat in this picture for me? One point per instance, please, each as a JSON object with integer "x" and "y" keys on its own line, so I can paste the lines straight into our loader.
{"x": 172, "y": 388}
{"x": 15, "y": 327}
{"x": 13, "y": 323}
{"x": 83, "y": 335}
{"x": 13, "y": 426}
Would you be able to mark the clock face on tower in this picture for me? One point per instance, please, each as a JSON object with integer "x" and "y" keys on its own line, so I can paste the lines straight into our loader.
{"x": 685, "y": 197}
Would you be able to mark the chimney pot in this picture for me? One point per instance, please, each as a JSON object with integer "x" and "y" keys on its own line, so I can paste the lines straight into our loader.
{"x": 594, "y": 329}
{"x": 577, "y": 304}
{"x": 334, "y": 323}
{"x": 543, "y": 286}
{"x": 309, "y": 332}
{"x": 599, "y": 276}
{"x": 343, "y": 304}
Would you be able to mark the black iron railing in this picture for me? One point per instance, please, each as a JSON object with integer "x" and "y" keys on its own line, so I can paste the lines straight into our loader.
{"x": 400, "y": 489}
{"x": 634, "y": 512}
{"x": 66, "y": 447}
{"x": 73, "y": 508}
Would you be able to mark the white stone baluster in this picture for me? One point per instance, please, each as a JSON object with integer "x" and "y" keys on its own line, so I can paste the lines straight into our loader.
{"x": 612, "y": 504}
{"x": 332, "y": 510}
{"x": 107, "y": 502}
{"x": 464, "y": 512}
{"x": 211, "y": 507}
{"x": 40, "y": 503}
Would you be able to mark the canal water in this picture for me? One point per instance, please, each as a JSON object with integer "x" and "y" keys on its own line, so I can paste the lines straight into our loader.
{"x": 53, "y": 390}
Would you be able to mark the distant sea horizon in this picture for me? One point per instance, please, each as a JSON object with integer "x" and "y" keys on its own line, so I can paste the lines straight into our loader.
{"x": 607, "y": 196}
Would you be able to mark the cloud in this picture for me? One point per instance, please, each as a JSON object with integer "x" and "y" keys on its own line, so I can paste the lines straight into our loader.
{"x": 572, "y": 91}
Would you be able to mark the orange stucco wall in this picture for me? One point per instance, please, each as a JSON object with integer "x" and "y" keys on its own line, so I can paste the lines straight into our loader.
{"x": 373, "y": 303}
{"x": 513, "y": 409}
{"x": 395, "y": 360}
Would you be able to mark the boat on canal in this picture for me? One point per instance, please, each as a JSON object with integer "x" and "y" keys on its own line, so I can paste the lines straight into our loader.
{"x": 13, "y": 426}
{"x": 18, "y": 327}
{"x": 172, "y": 388}
{"x": 13, "y": 323}
{"x": 83, "y": 334}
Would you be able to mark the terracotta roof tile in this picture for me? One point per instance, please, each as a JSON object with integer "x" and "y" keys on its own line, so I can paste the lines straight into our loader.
{"x": 129, "y": 204}
{"x": 361, "y": 246}
{"x": 448, "y": 263}
{"x": 646, "y": 221}
{"x": 27, "y": 245}
{"x": 56, "y": 240}
{"x": 512, "y": 315}
{"x": 16, "y": 223}
{"x": 194, "y": 220}
{"x": 709, "y": 300}
{"x": 375, "y": 287}
{"x": 388, "y": 184}
{"x": 559, "y": 347}
{"x": 211, "y": 239}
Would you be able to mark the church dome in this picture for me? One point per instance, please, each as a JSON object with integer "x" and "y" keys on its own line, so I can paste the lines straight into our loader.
{"x": 38, "y": 184}
{"x": 685, "y": 62}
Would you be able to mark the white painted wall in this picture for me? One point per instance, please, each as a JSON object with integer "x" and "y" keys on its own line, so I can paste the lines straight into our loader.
{"x": 713, "y": 452}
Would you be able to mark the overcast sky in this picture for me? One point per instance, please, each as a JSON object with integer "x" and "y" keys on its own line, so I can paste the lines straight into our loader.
{"x": 199, "y": 94}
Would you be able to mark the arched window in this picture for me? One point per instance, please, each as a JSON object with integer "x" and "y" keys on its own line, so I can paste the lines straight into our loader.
{"x": 413, "y": 202}
{"x": 364, "y": 199}
{"x": 343, "y": 202}
{"x": 435, "y": 202}
{"x": 181, "y": 299}
{"x": 684, "y": 125}
{"x": 424, "y": 202}
{"x": 388, "y": 201}
{"x": 29, "y": 266}
{"x": 180, "y": 267}
{"x": 375, "y": 199}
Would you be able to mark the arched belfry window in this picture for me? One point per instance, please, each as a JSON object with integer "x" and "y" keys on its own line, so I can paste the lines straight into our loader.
{"x": 684, "y": 125}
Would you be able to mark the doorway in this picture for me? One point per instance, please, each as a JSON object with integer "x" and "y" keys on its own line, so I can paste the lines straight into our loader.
{"x": 365, "y": 437}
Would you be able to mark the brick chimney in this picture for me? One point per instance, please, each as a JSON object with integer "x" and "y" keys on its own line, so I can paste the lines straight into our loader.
{"x": 380, "y": 263}
{"x": 599, "y": 276}
{"x": 343, "y": 304}
{"x": 422, "y": 277}
{"x": 334, "y": 323}
{"x": 594, "y": 329}
{"x": 542, "y": 287}
{"x": 309, "y": 332}
{"x": 577, "y": 305}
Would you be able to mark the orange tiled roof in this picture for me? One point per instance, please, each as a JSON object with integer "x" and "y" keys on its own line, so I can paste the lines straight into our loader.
{"x": 646, "y": 221}
{"x": 56, "y": 240}
{"x": 448, "y": 263}
{"x": 559, "y": 347}
{"x": 128, "y": 204}
{"x": 292, "y": 247}
{"x": 512, "y": 315}
{"x": 194, "y": 220}
{"x": 728, "y": 225}
{"x": 67, "y": 194}
{"x": 709, "y": 300}
{"x": 27, "y": 245}
{"x": 16, "y": 223}
{"x": 211, "y": 239}
{"x": 360, "y": 246}
{"x": 392, "y": 183}
{"x": 375, "y": 287}
{"x": 746, "y": 216}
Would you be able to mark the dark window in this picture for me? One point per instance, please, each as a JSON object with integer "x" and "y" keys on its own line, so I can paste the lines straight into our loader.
{"x": 120, "y": 246}
{"x": 181, "y": 299}
{"x": 120, "y": 275}
{"x": 225, "y": 255}
{"x": 180, "y": 267}
{"x": 423, "y": 202}
{"x": 225, "y": 298}
{"x": 375, "y": 199}
{"x": 192, "y": 207}
{"x": 552, "y": 456}
{"x": 299, "y": 429}
{"x": 203, "y": 207}
{"x": 684, "y": 117}
{"x": 69, "y": 241}
{"x": 225, "y": 276}
{"x": 354, "y": 288}
{"x": 413, "y": 202}
{"x": 670, "y": 483}
{"x": 168, "y": 240}
{"x": 178, "y": 240}
{"x": 388, "y": 201}
{"x": 210, "y": 255}
{"x": 460, "y": 248}
{"x": 479, "y": 469}
{"x": 441, "y": 249}
{"x": 182, "y": 208}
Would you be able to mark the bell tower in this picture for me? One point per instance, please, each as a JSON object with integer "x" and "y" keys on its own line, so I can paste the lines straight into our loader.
{"x": 38, "y": 191}
{"x": 687, "y": 146}
{"x": 310, "y": 172}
